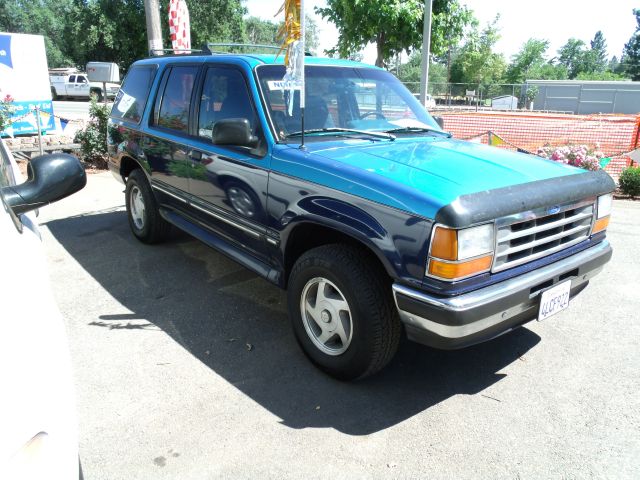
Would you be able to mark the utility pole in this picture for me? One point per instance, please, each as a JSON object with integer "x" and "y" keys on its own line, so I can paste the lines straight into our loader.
{"x": 154, "y": 34}
{"x": 426, "y": 46}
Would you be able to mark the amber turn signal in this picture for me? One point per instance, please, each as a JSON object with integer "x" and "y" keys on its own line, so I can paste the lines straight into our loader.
{"x": 453, "y": 271}
{"x": 601, "y": 225}
{"x": 445, "y": 244}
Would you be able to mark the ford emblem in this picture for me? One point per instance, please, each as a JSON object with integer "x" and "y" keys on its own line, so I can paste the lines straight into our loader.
{"x": 553, "y": 210}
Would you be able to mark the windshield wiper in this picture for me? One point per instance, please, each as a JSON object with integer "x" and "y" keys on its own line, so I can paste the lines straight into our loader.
{"x": 386, "y": 135}
{"x": 417, "y": 129}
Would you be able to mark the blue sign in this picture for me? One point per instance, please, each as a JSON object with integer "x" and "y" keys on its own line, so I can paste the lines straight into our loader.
{"x": 5, "y": 50}
{"x": 25, "y": 119}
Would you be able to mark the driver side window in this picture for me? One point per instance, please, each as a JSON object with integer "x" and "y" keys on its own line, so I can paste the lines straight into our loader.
{"x": 224, "y": 96}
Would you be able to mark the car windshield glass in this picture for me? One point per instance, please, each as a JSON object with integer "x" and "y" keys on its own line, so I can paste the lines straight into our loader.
{"x": 338, "y": 97}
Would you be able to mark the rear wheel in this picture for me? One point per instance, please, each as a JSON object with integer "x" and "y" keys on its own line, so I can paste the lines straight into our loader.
{"x": 342, "y": 312}
{"x": 96, "y": 95}
{"x": 142, "y": 210}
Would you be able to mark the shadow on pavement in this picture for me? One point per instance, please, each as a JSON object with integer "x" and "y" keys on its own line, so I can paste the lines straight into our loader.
{"x": 236, "y": 324}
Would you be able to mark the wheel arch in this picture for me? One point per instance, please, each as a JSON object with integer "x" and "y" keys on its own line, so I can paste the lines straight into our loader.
{"x": 128, "y": 165}
{"x": 306, "y": 235}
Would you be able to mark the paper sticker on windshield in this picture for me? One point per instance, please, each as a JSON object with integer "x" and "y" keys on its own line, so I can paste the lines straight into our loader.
{"x": 283, "y": 85}
{"x": 125, "y": 102}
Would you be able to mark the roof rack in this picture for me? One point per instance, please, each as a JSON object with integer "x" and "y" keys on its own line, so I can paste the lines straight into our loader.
{"x": 217, "y": 49}
{"x": 156, "y": 52}
{"x": 233, "y": 46}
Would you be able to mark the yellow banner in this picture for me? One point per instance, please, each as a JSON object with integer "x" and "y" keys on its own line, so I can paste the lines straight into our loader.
{"x": 495, "y": 140}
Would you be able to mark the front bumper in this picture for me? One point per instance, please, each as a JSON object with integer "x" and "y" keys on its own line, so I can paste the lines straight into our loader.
{"x": 474, "y": 317}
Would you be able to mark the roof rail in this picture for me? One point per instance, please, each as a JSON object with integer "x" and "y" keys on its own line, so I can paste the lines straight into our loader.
{"x": 218, "y": 47}
{"x": 157, "y": 52}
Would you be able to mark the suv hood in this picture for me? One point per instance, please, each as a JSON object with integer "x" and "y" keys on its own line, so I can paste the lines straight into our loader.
{"x": 424, "y": 174}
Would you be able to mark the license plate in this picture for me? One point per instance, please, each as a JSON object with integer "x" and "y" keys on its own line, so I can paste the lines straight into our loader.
{"x": 554, "y": 300}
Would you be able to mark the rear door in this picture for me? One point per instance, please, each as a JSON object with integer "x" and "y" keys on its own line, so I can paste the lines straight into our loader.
{"x": 166, "y": 142}
{"x": 70, "y": 85}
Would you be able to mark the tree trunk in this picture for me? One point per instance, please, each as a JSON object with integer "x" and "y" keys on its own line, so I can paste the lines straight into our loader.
{"x": 379, "y": 46}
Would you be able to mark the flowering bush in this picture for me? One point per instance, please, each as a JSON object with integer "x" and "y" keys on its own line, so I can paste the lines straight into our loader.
{"x": 6, "y": 110}
{"x": 577, "y": 155}
{"x": 93, "y": 139}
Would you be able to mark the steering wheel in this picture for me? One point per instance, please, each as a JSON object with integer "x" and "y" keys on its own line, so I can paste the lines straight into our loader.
{"x": 377, "y": 113}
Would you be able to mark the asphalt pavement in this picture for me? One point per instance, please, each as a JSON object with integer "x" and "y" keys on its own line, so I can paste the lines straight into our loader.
{"x": 186, "y": 368}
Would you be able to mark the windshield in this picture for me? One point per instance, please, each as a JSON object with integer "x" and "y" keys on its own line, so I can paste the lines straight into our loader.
{"x": 357, "y": 99}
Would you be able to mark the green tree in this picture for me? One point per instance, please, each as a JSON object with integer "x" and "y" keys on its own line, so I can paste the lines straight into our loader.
{"x": 260, "y": 32}
{"x": 42, "y": 17}
{"x": 213, "y": 21}
{"x": 606, "y": 76}
{"x": 109, "y": 31}
{"x": 573, "y": 56}
{"x": 264, "y": 32}
{"x": 476, "y": 62}
{"x": 527, "y": 63}
{"x": 411, "y": 73}
{"x": 393, "y": 25}
{"x": 598, "y": 53}
{"x": 631, "y": 56}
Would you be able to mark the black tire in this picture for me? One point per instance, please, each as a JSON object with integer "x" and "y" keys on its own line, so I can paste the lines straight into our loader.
{"x": 54, "y": 95}
{"x": 96, "y": 95}
{"x": 354, "y": 275}
{"x": 142, "y": 210}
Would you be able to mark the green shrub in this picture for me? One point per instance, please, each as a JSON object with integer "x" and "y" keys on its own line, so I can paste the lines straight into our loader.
{"x": 630, "y": 181}
{"x": 6, "y": 110}
{"x": 93, "y": 139}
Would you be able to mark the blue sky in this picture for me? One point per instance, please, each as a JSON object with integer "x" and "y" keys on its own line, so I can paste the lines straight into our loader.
{"x": 553, "y": 20}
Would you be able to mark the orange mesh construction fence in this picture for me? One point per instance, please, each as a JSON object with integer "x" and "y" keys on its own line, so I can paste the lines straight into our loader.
{"x": 616, "y": 135}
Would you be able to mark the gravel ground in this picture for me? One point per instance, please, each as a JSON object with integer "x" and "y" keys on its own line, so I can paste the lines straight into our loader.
{"x": 186, "y": 368}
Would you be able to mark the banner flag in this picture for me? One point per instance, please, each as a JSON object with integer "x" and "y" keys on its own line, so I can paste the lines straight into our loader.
{"x": 604, "y": 161}
{"x": 179, "y": 26}
{"x": 5, "y": 50}
{"x": 495, "y": 140}
{"x": 291, "y": 34}
{"x": 63, "y": 123}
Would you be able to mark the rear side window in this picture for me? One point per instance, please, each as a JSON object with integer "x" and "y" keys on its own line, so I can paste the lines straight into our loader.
{"x": 173, "y": 112}
{"x": 133, "y": 94}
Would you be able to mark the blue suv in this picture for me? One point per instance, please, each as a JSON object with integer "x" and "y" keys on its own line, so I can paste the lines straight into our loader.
{"x": 378, "y": 223}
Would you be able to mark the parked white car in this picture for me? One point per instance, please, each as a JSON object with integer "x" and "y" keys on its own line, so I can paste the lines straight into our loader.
{"x": 38, "y": 426}
{"x": 78, "y": 85}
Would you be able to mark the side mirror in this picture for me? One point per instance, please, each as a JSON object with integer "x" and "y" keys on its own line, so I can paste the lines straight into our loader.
{"x": 234, "y": 131}
{"x": 51, "y": 177}
{"x": 439, "y": 121}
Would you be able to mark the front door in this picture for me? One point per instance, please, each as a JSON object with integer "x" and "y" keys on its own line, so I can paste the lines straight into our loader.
{"x": 229, "y": 184}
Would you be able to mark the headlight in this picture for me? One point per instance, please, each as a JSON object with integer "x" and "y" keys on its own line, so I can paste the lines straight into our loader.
{"x": 603, "y": 213}
{"x": 457, "y": 254}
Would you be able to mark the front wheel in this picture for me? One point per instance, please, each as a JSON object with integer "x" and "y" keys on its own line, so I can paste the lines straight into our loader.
{"x": 142, "y": 210}
{"x": 342, "y": 312}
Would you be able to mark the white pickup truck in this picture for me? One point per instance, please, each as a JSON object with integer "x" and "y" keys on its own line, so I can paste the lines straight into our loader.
{"x": 77, "y": 85}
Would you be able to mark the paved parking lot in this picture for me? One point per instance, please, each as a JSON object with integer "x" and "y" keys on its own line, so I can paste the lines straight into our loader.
{"x": 186, "y": 368}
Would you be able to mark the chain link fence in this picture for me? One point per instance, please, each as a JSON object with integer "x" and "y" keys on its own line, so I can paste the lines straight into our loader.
{"x": 503, "y": 96}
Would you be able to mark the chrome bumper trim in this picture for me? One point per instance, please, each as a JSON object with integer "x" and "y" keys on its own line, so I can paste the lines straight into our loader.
{"x": 497, "y": 294}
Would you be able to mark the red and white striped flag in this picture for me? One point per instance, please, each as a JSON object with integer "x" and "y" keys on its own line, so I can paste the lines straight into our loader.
{"x": 179, "y": 26}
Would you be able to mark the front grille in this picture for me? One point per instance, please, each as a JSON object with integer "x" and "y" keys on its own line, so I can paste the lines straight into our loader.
{"x": 527, "y": 236}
